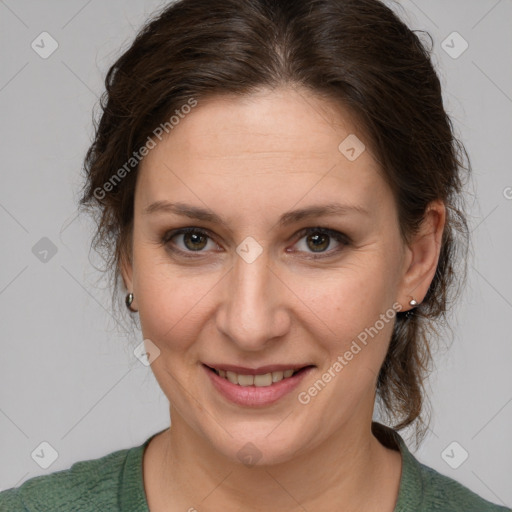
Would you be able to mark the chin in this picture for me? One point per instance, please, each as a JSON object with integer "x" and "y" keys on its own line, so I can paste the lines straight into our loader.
{"x": 255, "y": 448}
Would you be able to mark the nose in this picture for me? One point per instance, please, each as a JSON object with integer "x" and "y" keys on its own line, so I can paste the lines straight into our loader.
{"x": 253, "y": 313}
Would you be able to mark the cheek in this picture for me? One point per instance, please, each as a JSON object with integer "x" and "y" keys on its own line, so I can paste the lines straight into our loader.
{"x": 170, "y": 302}
{"x": 347, "y": 299}
{"x": 353, "y": 319}
{"x": 355, "y": 309}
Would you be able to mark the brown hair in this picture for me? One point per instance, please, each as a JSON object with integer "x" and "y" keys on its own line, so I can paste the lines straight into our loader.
{"x": 355, "y": 52}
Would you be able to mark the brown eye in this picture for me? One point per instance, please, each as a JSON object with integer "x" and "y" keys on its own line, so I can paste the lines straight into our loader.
{"x": 321, "y": 241}
{"x": 187, "y": 241}
{"x": 318, "y": 242}
{"x": 195, "y": 241}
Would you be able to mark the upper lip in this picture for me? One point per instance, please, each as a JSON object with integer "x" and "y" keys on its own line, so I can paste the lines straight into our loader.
{"x": 256, "y": 371}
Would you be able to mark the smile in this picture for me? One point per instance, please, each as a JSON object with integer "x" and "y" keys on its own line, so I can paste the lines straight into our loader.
{"x": 255, "y": 387}
{"x": 258, "y": 380}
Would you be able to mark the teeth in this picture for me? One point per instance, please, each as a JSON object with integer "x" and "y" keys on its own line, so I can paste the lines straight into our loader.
{"x": 277, "y": 376}
{"x": 232, "y": 377}
{"x": 245, "y": 380}
{"x": 263, "y": 380}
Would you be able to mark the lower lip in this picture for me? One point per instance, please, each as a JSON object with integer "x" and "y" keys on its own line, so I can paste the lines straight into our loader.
{"x": 253, "y": 396}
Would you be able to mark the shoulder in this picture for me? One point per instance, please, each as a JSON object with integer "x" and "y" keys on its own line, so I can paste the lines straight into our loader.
{"x": 443, "y": 493}
{"x": 87, "y": 485}
{"x": 423, "y": 489}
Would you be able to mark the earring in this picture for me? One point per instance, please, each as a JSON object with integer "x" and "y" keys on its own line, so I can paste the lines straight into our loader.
{"x": 410, "y": 313}
{"x": 128, "y": 301}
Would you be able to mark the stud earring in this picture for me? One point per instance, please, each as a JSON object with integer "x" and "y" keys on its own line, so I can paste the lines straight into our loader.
{"x": 128, "y": 301}
{"x": 413, "y": 303}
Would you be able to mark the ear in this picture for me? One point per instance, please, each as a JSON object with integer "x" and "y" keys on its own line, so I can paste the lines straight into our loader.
{"x": 422, "y": 256}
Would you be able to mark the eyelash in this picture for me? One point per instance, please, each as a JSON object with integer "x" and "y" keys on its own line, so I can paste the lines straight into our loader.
{"x": 339, "y": 237}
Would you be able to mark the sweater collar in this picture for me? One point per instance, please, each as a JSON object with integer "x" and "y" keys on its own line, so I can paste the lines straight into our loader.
{"x": 132, "y": 496}
{"x": 410, "y": 493}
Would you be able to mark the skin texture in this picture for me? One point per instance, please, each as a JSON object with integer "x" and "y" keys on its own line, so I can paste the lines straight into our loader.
{"x": 250, "y": 160}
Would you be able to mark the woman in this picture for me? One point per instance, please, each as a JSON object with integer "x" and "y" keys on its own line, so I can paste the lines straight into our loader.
{"x": 278, "y": 184}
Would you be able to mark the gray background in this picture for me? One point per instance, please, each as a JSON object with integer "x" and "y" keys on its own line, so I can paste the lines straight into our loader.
{"x": 68, "y": 375}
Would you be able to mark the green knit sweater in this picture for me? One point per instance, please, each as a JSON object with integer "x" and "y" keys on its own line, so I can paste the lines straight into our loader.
{"x": 114, "y": 483}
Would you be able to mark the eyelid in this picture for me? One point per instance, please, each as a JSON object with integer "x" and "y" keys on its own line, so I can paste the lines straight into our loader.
{"x": 168, "y": 235}
{"x": 320, "y": 229}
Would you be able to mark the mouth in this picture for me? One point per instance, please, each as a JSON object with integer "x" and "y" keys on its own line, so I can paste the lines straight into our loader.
{"x": 259, "y": 387}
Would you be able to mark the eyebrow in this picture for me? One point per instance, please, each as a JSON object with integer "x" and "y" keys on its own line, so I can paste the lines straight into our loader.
{"x": 206, "y": 215}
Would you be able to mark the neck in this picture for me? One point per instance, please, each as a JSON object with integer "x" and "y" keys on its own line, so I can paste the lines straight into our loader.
{"x": 351, "y": 468}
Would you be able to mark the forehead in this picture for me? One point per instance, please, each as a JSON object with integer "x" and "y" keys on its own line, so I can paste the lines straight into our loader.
{"x": 284, "y": 140}
{"x": 266, "y": 121}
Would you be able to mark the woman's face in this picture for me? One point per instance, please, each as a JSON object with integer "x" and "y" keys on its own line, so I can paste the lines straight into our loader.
{"x": 258, "y": 289}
